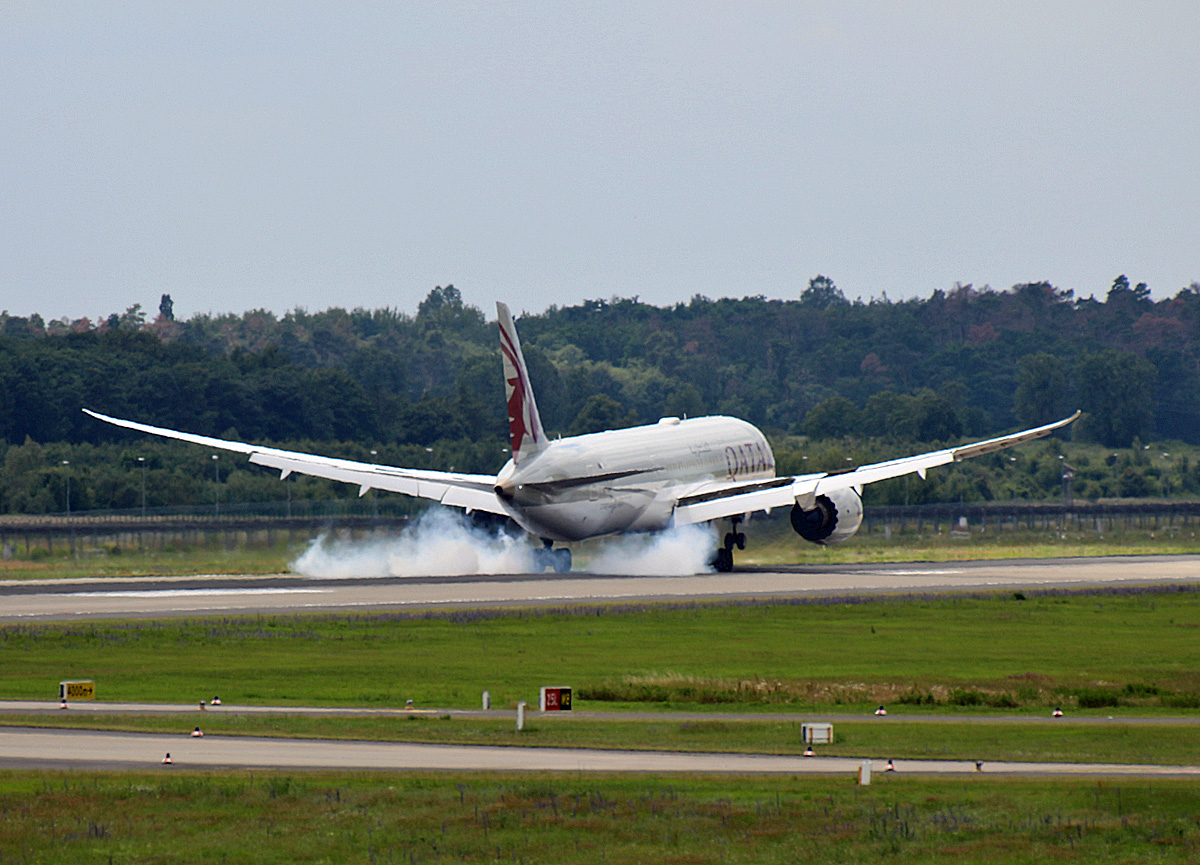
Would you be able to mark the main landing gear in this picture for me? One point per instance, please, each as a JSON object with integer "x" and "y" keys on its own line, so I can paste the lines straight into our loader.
{"x": 723, "y": 560}
{"x": 558, "y": 560}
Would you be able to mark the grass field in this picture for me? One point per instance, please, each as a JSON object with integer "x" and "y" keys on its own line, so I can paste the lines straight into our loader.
{"x": 193, "y": 559}
{"x": 1133, "y": 648}
{"x": 932, "y": 547}
{"x": 258, "y": 817}
{"x": 1130, "y": 652}
{"x": 981, "y": 655}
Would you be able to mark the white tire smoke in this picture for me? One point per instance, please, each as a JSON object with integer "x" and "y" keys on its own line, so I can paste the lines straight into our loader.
{"x": 442, "y": 543}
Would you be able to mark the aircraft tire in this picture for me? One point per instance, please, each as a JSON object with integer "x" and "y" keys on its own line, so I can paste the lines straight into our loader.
{"x": 562, "y": 561}
{"x": 723, "y": 560}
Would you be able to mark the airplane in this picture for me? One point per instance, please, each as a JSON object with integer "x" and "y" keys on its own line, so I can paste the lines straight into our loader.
{"x": 675, "y": 472}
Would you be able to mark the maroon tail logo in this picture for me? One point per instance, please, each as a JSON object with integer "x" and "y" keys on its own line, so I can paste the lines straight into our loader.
{"x": 518, "y": 400}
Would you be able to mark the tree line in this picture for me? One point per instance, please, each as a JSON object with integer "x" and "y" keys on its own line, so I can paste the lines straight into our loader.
{"x": 965, "y": 362}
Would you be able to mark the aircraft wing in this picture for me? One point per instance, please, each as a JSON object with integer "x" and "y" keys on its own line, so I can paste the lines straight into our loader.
{"x": 729, "y": 498}
{"x": 472, "y": 492}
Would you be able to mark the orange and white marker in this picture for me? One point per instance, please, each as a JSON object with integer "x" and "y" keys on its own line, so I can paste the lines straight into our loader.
{"x": 167, "y": 759}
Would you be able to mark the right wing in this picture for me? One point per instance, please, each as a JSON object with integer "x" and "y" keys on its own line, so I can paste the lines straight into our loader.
{"x": 456, "y": 489}
{"x": 718, "y": 499}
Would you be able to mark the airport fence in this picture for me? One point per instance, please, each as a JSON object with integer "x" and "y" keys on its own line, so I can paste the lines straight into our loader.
{"x": 1167, "y": 516}
{"x": 228, "y": 525}
{"x": 268, "y": 523}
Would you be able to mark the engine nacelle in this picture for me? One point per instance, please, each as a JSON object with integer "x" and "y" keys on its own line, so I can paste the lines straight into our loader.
{"x": 833, "y": 518}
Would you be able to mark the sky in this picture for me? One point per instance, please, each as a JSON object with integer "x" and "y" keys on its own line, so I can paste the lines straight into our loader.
{"x": 357, "y": 154}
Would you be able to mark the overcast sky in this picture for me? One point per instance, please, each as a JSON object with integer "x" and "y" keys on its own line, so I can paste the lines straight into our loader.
{"x": 280, "y": 155}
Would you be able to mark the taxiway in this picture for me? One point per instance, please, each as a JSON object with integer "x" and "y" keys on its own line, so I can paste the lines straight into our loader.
{"x": 82, "y": 749}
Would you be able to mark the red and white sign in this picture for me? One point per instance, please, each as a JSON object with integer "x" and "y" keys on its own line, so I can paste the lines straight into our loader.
{"x": 555, "y": 699}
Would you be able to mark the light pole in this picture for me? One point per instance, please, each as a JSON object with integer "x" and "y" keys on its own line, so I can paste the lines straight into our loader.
{"x": 142, "y": 463}
{"x": 374, "y": 501}
{"x": 216, "y": 487}
{"x": 67, "y": 463}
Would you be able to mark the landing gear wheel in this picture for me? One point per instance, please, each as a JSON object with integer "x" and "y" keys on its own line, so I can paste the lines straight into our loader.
{"x": 561, "y": 560}
{"x": 723, "y": 560}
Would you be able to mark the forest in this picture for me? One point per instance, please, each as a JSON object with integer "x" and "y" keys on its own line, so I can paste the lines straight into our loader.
{"x": 825, "y": 378}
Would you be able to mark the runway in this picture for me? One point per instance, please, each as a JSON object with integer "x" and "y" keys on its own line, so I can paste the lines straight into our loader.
{"x": 26, "y": 600}
{"x": 29, "y": 748}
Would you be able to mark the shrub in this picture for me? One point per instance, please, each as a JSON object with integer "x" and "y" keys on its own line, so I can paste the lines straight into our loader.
{"x": 1141, "y": 689}
{"x": 1097, "y": 698}
{"x": 1182, "y": 701}
{"x": 959, "y": 697}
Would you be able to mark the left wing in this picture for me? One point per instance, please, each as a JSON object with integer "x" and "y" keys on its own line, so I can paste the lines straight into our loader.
{"x": 472, "y": 492}
{"x": 730, "y": 498}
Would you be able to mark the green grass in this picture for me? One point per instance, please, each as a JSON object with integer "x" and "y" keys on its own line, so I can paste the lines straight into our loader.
{"x": 1135, "y": 648}
{"x": 1057, "y": 741}
{"x": 103, "y": 563}
{"x": 772, "y": 542}
{"x": 258, "y": 817}
{"x": 943, "y": 548}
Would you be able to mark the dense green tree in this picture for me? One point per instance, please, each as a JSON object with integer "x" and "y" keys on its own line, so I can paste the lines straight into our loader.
{"x": 821, "y": 293}
{"x": 1041, "y": 394}
{"x": 832, "y": 418}
{"x": 1116, "y": 392}
{"x": 599, "y": 412}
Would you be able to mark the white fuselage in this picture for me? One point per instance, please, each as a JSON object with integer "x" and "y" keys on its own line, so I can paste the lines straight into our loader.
{"x": 628, "y": 480}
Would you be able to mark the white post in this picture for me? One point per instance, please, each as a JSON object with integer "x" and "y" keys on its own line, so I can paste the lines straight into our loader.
{"x": 487, "y": 700}
{"x": 864, "y": 773}
{"x": 520, "y": 716}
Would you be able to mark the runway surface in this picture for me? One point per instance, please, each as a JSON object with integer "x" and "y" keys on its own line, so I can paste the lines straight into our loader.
{"x": 25, "y": 600}
{"x": 81, "y": 749}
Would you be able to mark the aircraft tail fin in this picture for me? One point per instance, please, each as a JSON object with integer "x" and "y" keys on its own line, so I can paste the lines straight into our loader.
{"x": 524, "y": 422}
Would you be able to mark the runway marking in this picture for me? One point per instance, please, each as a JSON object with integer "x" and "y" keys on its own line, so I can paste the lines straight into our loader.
{"x": 897, "y": 573}
{"x": 192, "y": 593}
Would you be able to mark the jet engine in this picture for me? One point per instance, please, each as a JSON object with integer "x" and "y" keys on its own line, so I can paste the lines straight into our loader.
{"x": 833, "y": 518}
